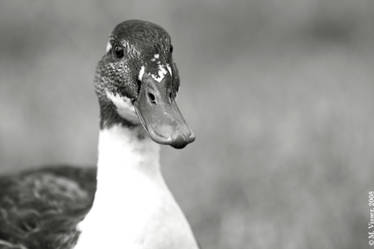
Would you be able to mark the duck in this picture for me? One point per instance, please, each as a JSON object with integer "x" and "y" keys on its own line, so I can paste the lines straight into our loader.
{"x": 124, "y": 201}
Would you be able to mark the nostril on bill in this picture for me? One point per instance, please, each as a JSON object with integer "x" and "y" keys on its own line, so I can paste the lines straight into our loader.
{"x": 152, "y": 98}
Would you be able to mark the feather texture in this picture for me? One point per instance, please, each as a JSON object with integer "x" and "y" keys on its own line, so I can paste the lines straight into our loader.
{"x": 40, "y": 209}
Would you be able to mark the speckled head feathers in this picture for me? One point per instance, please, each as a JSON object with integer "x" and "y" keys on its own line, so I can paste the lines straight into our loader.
{"x": 141, "y": 38}
{"x": 133, "y": 46}
{"x": 138, "y": 60}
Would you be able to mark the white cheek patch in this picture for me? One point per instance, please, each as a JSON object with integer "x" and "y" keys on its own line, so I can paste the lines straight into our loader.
{"x": 169, "y": 68}
{"x": 108, "y": 47}
{"x": 160, "y": 74}
{"x": 141, "y": 73}
{"x": 162, "y": 70}
{"x": 124, "y": 106}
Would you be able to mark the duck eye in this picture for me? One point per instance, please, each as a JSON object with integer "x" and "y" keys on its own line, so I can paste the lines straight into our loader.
{"x": 118, "y": 52}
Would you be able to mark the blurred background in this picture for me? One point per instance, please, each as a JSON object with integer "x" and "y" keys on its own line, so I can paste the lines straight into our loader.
{"x": 279, "y": 93}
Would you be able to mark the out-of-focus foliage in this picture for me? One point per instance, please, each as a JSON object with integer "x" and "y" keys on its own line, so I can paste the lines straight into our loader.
{"x": 279, "y": 93}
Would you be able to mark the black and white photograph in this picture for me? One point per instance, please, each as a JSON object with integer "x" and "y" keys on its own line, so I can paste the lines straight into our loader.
{"x": 244, "y": 124}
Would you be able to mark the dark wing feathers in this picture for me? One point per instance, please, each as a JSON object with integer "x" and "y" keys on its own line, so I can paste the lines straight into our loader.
{"x": 40, "y": 209}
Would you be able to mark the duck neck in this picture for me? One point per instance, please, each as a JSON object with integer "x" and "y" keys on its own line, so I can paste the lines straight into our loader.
{"x": 133, "y": 208}
{"x": 125, "y": 154}
{"x": 129, "y": 184}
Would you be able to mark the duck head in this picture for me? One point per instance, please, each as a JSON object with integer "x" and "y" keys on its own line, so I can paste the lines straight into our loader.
{"x": 137, "y": 82}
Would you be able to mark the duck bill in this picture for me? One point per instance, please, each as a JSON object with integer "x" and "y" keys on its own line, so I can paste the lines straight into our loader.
{"x": 160, "y": 115}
